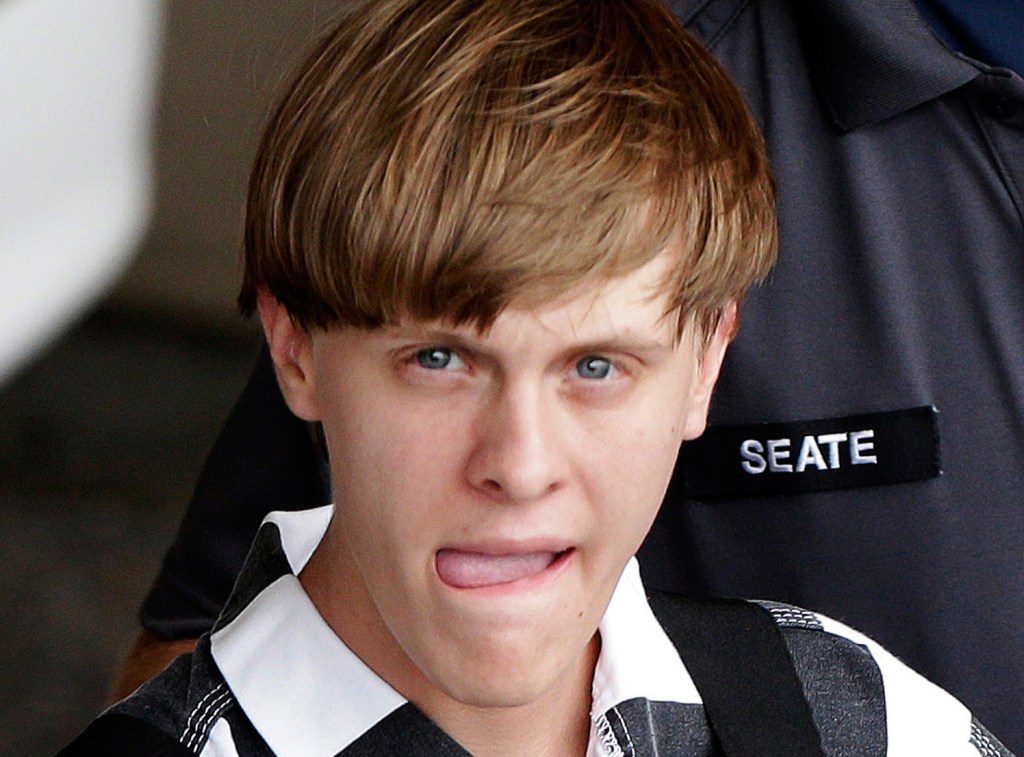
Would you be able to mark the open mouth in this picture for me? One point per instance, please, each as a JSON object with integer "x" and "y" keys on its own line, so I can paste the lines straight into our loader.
{"x": 474, "y": 570}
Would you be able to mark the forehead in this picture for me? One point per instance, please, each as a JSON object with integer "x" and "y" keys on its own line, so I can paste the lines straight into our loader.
{"x": 636, "y": 303}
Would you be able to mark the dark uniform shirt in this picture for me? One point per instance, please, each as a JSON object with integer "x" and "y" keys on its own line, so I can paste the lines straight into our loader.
{"x": 900, "y": 288}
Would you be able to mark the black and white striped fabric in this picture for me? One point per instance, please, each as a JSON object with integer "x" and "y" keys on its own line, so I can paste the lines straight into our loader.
{"x": 272, "y": 678}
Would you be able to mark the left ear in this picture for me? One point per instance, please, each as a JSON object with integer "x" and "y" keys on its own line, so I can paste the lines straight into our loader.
{"x": 291, "y": 350}
{"x": 707, "y": 370}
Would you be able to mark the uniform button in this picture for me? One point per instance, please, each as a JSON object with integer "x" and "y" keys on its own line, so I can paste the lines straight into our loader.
{"x": 1001, "y": 108}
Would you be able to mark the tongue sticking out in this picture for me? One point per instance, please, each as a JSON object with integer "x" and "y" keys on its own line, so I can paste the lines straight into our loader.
{"x": 472, "y": 570}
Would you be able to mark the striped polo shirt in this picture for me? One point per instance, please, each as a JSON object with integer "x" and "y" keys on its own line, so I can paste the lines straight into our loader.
{"x": 273, "y": 678}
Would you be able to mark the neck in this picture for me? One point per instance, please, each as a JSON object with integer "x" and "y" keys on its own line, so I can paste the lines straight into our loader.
{"x": 555, "y": 724}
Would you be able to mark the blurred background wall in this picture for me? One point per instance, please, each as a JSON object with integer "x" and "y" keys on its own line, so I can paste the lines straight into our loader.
{"x": 106, "y": 420}
{"x": 222, "y": 65}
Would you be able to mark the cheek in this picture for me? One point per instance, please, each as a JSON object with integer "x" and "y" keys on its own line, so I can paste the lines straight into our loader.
{"x": 658, "y": 428}
{"x": 383, "y": 512}
{"x": 389, "y": 465}
{"x": 632, "y": 470}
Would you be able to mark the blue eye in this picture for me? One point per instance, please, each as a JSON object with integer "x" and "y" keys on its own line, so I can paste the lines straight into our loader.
{"x": 434, "y": 358}
{"x": 592, "y": 367}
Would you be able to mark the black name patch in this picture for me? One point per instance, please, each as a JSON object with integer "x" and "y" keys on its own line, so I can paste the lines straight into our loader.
{"x": 806, "y": 456}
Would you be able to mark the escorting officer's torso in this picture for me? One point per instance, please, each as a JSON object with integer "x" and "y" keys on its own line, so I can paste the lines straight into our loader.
{"x": 899, "y": 288}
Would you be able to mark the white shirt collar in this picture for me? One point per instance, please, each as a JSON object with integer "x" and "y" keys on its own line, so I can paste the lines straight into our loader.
{"x": 308, "y": 694}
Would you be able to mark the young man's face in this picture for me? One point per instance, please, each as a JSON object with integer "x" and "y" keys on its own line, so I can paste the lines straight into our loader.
{"x": 491, "y": 487}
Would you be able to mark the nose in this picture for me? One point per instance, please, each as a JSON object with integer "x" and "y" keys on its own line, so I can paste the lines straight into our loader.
{"x": 519, "y": 449}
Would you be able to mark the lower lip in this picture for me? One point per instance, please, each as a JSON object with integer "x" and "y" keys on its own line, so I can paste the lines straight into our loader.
{"x": 526, "y": 583}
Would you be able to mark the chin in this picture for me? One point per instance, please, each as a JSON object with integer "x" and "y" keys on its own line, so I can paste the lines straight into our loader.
{"x": 508, "y": 675}
{"x": 497, "y": 692}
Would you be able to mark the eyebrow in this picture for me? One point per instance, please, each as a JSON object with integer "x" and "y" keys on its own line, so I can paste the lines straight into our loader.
{"x": 644, "y": 345}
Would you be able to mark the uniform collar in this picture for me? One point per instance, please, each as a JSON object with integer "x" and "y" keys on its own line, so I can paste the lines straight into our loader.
{"x": 872, "y": 60}
{"x": 300, "y": 686}
{"x": 307, "y": 693}
{"x": 638, "y": 661}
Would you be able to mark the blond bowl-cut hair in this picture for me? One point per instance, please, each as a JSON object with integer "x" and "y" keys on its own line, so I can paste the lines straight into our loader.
{"x": 442, "y": 159}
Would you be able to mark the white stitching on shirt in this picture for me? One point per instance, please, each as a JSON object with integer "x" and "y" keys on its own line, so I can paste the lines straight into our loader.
{"x": 981, "y": 742}
{"x": 625, "y": 730}
{"x": 606, "y": 737}
{"x": 788, "y": 616}
{"x": 196, "y": 709}
{"x": 225, "y": 702}
{"x": 217, "y": 692}
{"x": 213, "y": 709}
